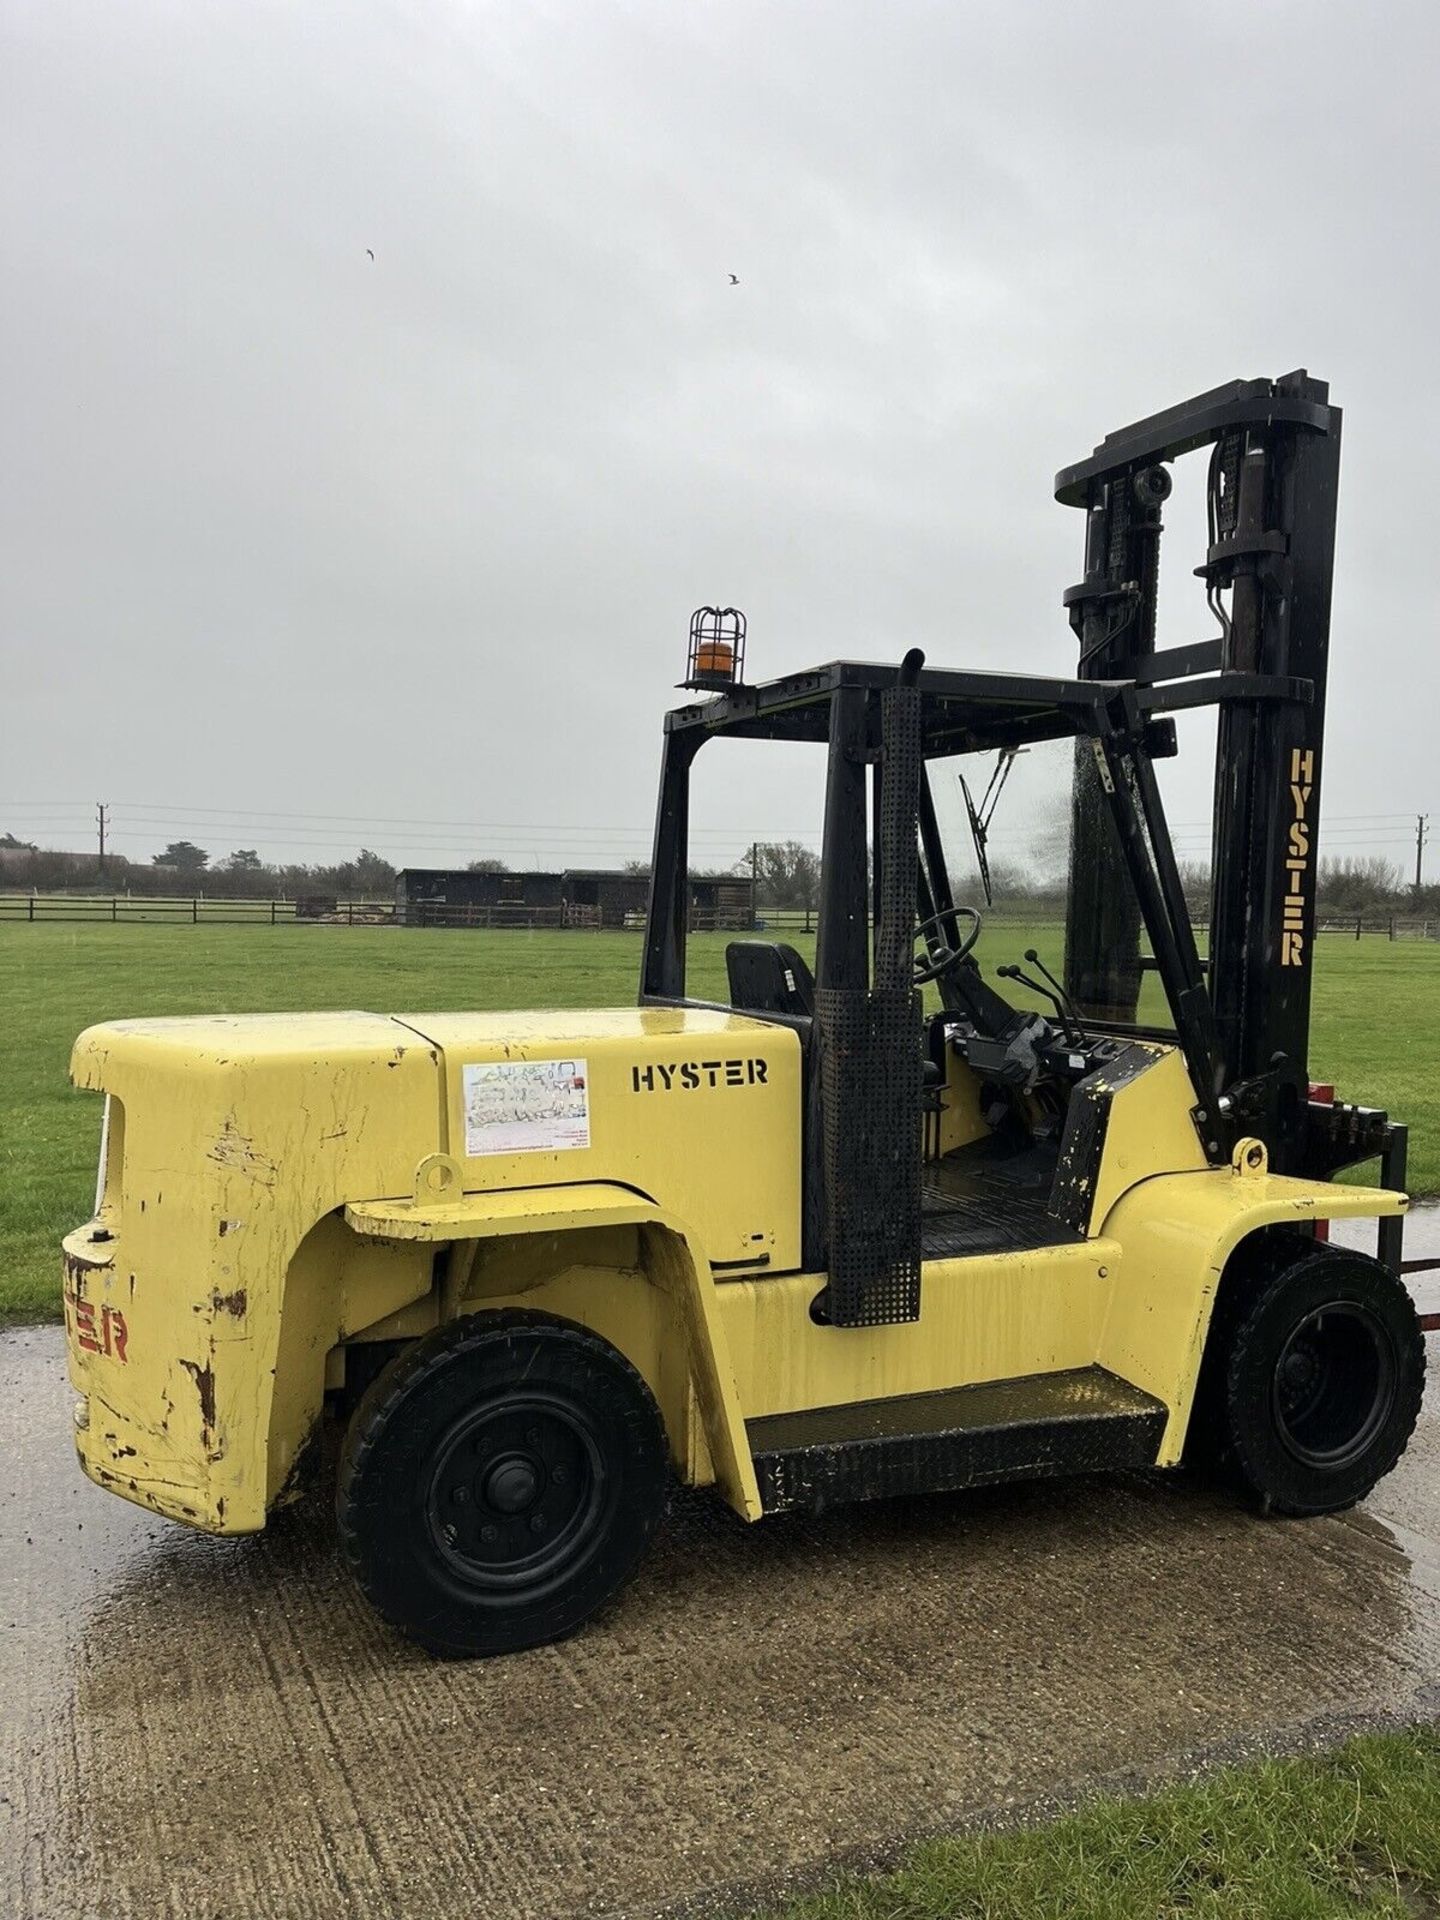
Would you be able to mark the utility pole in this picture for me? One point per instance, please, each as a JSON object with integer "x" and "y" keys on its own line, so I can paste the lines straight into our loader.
{"x": 102, "y": 820}
{"x": 754, "y": 878}
{"x": 1422, "y": 830}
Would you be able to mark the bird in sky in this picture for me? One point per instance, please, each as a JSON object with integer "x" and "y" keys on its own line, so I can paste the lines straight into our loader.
{"x": 734, "y": 278}
{"x": 371, "y": 252}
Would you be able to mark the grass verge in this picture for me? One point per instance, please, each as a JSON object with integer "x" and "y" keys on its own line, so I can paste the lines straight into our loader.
{"x": 1354, "y": 1831}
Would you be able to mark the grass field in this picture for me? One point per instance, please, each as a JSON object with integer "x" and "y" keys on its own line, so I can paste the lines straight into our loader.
{"x": 1375, "y": 1026}
{"x": 1344, "y": 1833}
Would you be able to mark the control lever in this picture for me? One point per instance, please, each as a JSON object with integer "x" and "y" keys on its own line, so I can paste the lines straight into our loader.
{"x": 1069, "y": 1019}
{"x": 1047, "y": 993}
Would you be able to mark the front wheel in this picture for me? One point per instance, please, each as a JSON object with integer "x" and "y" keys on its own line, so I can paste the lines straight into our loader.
{"x": 499, "y": 1482}
{"x": 1321, "y": 1376}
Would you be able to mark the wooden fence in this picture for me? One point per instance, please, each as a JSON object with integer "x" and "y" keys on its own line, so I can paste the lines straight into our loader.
{"x": 213, "y": 910}
{"x": 122, "y": 909}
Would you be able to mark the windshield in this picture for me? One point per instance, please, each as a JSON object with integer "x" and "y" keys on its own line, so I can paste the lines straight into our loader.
{"x": 1057, "y": 879}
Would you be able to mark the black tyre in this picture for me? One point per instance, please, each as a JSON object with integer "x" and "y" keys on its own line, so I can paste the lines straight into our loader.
{"x": 1317, "y": 1382}
{"x": 499, "y": 1482}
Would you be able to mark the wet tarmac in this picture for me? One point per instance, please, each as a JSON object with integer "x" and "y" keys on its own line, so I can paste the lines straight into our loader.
{"x": 219, "y": 1728}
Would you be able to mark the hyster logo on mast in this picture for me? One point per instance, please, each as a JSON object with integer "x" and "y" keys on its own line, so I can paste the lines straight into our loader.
{"x": 1297, "y": 863}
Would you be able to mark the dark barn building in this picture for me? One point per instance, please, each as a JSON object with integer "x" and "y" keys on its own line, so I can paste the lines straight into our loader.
{"x": 578, "y": 897}
{"x": 444, "y": 897}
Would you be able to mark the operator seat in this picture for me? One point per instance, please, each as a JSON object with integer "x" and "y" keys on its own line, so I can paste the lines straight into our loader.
{"x": 768, "y": 977}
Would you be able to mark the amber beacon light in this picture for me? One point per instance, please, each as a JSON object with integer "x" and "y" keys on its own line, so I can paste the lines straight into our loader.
{"x": 716, "y": 660}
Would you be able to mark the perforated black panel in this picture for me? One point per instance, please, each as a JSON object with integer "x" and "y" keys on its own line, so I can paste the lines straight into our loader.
{"x": 895, "y": 836}
{"x": 871, "y": 1065}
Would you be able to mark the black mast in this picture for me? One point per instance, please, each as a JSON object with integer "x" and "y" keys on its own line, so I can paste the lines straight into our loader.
{"x": 1274, "y": 478}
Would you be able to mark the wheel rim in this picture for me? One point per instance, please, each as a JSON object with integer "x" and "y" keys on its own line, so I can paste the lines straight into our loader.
{"x": 517, "y": 1493}
{"x": 1334, "y": 1385}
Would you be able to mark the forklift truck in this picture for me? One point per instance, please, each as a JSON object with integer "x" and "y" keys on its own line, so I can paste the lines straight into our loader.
{"x": 923, "y": 1219}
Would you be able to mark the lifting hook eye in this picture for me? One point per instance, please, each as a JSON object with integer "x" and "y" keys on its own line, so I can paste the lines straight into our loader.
{"x": 1250, "y": 1157}
{"x": 438, "y": 1177}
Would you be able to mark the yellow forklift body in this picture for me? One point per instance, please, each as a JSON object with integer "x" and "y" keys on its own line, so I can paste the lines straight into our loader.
{"x": 276, "y": 1187}
{"x": 217, "y": 1275}
{"x": 819, "y": 1243}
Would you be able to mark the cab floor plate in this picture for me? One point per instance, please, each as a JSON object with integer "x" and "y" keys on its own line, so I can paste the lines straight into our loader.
{"x": 1082, "y": 1421}
{"x": 971, "y": 1205}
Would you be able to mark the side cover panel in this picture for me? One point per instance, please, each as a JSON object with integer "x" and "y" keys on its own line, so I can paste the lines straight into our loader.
{"x": 1127, "y": 1120}
{"x": 698, "y": 1111}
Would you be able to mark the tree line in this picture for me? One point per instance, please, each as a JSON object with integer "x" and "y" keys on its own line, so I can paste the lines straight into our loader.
{"x": 789, "y": 873}
{"x": 184, "y": 868}
{"x": 786, "y": 872}
{"x": 1345, "y": 888}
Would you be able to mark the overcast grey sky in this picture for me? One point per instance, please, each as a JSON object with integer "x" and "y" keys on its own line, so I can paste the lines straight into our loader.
{"x": 298, "y": 547}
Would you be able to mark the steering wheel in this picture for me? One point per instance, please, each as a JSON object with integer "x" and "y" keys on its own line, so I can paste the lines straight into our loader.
{"x": 930, "y": 969}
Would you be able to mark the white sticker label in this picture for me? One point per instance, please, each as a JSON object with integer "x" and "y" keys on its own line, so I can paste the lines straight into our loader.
{"x": 526, "y": 1106}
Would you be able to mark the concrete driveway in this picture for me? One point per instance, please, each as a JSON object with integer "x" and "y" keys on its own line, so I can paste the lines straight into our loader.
{"x": 220, "y": 1727}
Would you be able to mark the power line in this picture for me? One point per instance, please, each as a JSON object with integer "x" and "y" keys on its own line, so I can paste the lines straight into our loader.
{"x": 519, "y": 837}
{"x": 458, "y": 836}
{"x": 415, "y": 840}
{"x": 234, "y": 814}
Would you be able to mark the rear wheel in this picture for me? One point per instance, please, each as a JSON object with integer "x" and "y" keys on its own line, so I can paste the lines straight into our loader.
{"x": 1319, "y": 1379}
{"x": 499, "y": 1482}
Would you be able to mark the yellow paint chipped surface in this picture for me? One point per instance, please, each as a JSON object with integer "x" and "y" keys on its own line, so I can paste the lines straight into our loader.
{"x": 270, "y": 1193}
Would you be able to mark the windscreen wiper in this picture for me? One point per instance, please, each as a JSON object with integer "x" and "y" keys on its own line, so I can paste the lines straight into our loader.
{"x": 981, "y": 816}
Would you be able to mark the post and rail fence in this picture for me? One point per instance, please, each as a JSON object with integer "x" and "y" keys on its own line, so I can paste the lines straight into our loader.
{"x": 233, "y": 911}
{"x": 213, "y": 910}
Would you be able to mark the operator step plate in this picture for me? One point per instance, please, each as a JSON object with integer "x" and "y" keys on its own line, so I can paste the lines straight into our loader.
{"x": 1084, "y": 1421}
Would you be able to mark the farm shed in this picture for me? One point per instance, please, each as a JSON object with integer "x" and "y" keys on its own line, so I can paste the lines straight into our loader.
{"x": 577, "y": 897}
